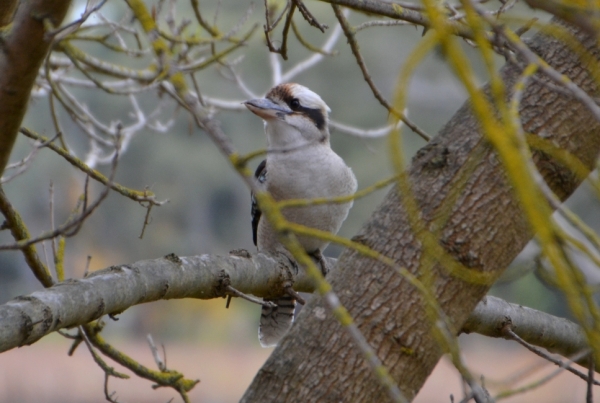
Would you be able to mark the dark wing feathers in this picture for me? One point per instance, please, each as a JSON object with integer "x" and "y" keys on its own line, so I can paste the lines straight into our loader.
{"x": 261, "y": 176}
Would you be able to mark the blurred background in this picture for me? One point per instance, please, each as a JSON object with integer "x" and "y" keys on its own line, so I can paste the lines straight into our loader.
{"x": 208, "y": 212}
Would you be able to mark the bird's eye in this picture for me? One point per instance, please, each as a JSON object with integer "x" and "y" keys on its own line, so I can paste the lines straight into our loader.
{"x": 294, "y": 103}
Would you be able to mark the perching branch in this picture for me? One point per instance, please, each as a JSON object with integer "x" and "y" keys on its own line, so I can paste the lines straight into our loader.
{"x": 111, "y": 291}
{"x": 26, "y": 319}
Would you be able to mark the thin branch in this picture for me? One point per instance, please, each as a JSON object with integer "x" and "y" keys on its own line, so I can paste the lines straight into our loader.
{"x": 20, "y": 233}
{"x": 270, "y": 26}
{"x": 364, "y": 133}
{"x": 572, "y": 13}
{"x": 507, "y": 330}
{"x": 249, "y": 298}
{"x": 59, "y": 33}
{"x": 72, "y": 226}
{"x": 167, "y": 378}
{"x": 21, "y": 166}
{"x": 292, "y": 293}
{"x": 110, "y": 371}
{"x": 282, "y": 50}
{"x": 135, "y": 195}
{"x": 590, "y": 382}
{"x": 162, "y": 366}
{"x": 203, "y": 63}
{"x": 391, "y": 10}
{"x": 350, "y": 36}
{"x": 213, "y": 31}
{"x": 316, "y": 57}
{"x": 146, "y": 75}
{"x": 308, "y": 16}
{"x": 521, "y": 48}
{"x": 306, "y": 44}
{"x": 379, "y": 23}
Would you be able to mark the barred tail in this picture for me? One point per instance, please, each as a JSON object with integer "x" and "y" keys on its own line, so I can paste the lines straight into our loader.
{"x": 275, "y": 322}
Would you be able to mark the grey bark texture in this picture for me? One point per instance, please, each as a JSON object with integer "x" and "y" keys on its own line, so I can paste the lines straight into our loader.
{"x": 557, "y": 335}
{"x": 485, "y": 230}
{"x": 26, "y": 319}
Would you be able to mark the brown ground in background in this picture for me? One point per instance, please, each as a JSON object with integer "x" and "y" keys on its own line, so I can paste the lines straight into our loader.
{"x": 44, "y": 373}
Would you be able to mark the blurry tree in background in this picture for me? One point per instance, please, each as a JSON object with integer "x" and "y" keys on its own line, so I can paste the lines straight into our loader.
{"x": 138, "y": 96}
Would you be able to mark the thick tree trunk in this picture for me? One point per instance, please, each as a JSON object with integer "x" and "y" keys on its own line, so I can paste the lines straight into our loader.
{"x": 23, "y": 47}
{"x": 485, "y": 230}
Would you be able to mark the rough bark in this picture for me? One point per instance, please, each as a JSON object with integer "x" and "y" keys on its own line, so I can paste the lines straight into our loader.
{"x": 26, "y": 319}
{"x": 486, "y": 229}
{"x": 23, "y": 48}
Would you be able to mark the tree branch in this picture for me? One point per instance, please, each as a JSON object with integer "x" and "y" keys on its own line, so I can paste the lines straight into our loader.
{"x": 556, "y": 335}
{"x": 26, "y": 319}
{"x": 19, "y": 68}
{"x": 14, "y": 222}
{"x": 111, "y": 291}
{"x": 7, "y": 9}
{"x": 392, "y": 10}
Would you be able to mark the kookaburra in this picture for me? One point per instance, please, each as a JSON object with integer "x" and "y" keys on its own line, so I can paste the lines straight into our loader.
{"x": 300, "y": 164}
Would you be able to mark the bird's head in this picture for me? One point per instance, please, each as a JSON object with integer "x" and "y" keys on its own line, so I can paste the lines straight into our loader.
{"x": 294, "y": 116}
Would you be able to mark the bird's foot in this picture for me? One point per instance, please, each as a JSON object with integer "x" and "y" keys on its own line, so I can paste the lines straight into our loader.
{"x": 318, "y": 256}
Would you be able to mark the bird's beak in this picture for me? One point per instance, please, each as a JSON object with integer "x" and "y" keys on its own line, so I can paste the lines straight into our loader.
{"x": 266, "y": 109}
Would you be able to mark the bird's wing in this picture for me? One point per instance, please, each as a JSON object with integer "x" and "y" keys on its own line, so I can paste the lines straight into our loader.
{"x": 261, "y": 176}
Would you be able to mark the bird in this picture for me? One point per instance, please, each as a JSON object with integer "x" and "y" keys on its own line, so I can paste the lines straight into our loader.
{"x": 299, "y": 164}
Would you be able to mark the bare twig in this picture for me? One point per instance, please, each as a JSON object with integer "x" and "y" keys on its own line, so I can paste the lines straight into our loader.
{"x": 282, "y": 50}
{"x": 139, "y": 196}
{"x": 159, "y": 361}
{"x": 364, "y": 133}
{"x": 349, "y": 32}
{"x": 271, "y": 25}
{"x": 21, "y": 234}
{"x": 59, "y": 33}
{"x": 213, "y": 31}
{"x": 518, "y": 46}
{"x": 379, "y": 23}
{"x": 314, "y": 58}
{"x": 308, "y": 16}
{"x": 147, "y": 219}
{"x": 167, "y": 378}
{"x": 233, "y": 291}
{"x": 306, "y": 44}
{"x": 88, "y": 260}
{"x": 72, "y": 226}
{"x": 565, "y": 365}
{"x": 590, "y": 382}
{"x": 295, "y": 295}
